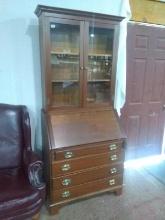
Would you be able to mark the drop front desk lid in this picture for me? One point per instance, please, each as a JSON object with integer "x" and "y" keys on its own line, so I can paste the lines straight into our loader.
{"x": 77, "y": 128}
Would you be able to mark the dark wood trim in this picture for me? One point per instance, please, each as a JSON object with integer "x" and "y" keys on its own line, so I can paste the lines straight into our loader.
{"x": 81, "y": 63}
{"x": 86, "y": 48}
{"x": 42, "y": 8}
{"x": 114, "y": 63}
{"x": 42, "y": 40}
{"x": 48, "y": 63}
{"x": 79, "y": 198}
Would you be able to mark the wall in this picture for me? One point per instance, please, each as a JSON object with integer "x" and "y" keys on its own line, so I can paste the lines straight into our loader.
{"x": 20, "y": 81}
{"x": 149, "y": 11}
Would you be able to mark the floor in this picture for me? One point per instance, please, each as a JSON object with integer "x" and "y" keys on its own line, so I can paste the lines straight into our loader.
{"x": 158, "y": 171}
{"x": 143, "y": 198}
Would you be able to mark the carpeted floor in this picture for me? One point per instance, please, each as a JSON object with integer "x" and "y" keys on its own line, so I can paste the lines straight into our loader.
{"x": 157, "y": 171}
{"x": 143, "y": 198}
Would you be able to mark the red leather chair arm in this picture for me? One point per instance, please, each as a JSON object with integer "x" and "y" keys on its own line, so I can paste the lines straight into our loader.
{"x": 33, "y": 167}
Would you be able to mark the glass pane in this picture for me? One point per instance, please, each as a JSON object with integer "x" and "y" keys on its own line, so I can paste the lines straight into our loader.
{"x": 65, "y": 41}
{"x": 99, "y": 65}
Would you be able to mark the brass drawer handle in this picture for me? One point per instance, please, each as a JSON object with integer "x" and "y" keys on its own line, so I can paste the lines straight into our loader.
{"x": 112, "y": 182}
{"x": 114, "y": 157}
{"x": 113, "y": 170}
{"x": 65, "y": 167}
{"x": 66, "y": 182}
{"x": 68, "y": 155}
{"x": 65, "y": 194}
{"x": 113, "y": 146}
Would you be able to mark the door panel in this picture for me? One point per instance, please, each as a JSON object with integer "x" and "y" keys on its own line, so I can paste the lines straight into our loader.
{"x": 139, "y": 66}
{"x": 143, "y": 116}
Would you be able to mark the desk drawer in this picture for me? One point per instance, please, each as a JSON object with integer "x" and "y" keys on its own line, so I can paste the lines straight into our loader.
{"x": 85, "y": 150}
{"x": 61, "y": 168}
{"x": 88, "y": 188}
{"x": 87, "y": 176}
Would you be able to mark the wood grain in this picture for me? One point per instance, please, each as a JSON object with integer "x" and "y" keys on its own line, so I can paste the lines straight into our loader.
{"x": 77, "y": 128}
{"x": 87, "y": 188}
{"x": 88, "y": 175}
{"x": 85, "y": 162}
{"x": 86, "y": 150}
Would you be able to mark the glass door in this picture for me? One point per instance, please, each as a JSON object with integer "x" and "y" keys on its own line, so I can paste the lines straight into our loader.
{"x": 99, "y": 64}
{"x": 65, "y": 62}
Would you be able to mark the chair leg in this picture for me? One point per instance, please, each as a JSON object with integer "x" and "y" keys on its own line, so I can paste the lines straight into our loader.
{"x": 36, "y": 216}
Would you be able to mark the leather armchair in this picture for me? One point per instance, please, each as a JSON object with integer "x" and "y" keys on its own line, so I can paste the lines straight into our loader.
{"x": 22, "y": 192}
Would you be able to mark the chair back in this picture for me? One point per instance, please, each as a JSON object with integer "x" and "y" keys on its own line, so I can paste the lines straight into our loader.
{"x": 11, "y": 136}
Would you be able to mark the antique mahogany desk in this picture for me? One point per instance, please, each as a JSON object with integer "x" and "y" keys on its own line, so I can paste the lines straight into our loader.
{"x": 82, "y": 139}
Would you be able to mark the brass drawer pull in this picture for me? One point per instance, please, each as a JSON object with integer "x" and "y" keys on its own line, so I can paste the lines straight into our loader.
{"x": 65, "y": 194}
{"x": 68, "y": 154}
{"x": 113, "y": 146}
{"x": 66, "y": 182}
{"x": 113, "y": 170}
{"x": 112, "y": 182}
{"x": 65, "y": 167}
{"x": 114, "y": 157}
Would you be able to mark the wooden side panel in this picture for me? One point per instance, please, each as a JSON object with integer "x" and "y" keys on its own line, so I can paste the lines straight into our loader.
{"x": 46, "y": 146}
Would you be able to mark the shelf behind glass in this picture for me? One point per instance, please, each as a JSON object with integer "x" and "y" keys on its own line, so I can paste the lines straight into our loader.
{"x": 64, "y": 53}
{"x": 63, "y": 81}
{"x": 77, "y": 54}
{"x": 99, "y": 80}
